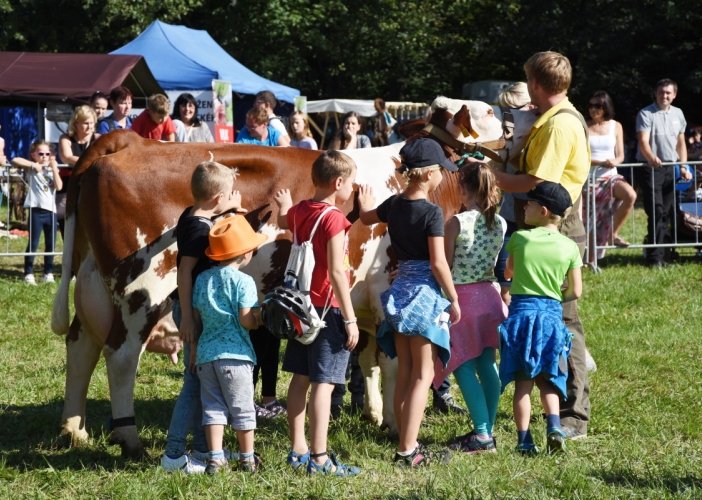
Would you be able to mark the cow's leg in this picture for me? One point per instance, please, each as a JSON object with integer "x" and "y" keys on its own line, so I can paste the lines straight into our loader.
{"x": 122, "y": 367}
{"x": 82, "y": 354}
{"x": 372, "y": 401}
{"x": 388, "y": 371}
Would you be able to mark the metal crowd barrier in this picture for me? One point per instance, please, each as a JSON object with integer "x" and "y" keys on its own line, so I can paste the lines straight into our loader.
{"x": 9, "y": 176}
{"x": 591, "y": 211}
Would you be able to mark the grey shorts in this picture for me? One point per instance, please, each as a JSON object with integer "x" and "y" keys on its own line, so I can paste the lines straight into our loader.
{"x": 324, "y": 361}
{"x": 226, "y": 388}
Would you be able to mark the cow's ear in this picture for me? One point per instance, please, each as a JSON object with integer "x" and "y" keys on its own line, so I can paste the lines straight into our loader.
{"x": 462, "y": 121}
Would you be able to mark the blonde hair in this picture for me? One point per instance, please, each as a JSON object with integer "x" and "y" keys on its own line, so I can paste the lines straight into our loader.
{"x": 159, "y": 104}
{"x": 211, "y": 178}
{"x": 550, "y": 70}
{"x": 515, "y": 96}
{"x": 81, "y": 113}
{"x": 331, "y": 165}
{"x": 306, "y": 131}
{"x": 258, "y": 114}
{"x": 417, "y": 176}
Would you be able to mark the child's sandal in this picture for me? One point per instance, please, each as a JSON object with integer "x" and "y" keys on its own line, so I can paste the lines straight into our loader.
{"x": 252, "y": 465}
{"x": 297, "y": 460}
{"x": 342, "y": 470}
{"x": 421, "y": 457}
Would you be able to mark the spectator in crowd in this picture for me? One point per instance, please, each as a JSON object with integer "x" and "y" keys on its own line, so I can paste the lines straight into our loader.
{"x": 348, "y": 136}
{"x": 121, "y": 102}
{"x": 81, "y": 134}
{"x": 259, "y": 132}
{"x": 154, "y": 122}
{"x": 189, "y": 128}
{"x": 660, "y": 129}
{"x": 3, "y": 158}
{"x": 515, "y": 97}
{"x": 694, "y": 144}
{"x": 98, "y": 101}
{"x": 557, "y": 150}
{"x": 300, "y": 135}
{"x": 266, "y": 99}
{"x": 44, "y": 180}
{"x": 614, "y": 197}
{"x": 381, "y": 124}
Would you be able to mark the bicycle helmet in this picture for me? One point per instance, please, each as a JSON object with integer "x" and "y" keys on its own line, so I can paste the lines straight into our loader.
{"x": 285, "y": 314}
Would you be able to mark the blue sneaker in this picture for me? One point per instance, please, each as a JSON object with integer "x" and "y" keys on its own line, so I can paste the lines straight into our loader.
{"x": 295, "y": 460}
{"x": 342, "y": 470}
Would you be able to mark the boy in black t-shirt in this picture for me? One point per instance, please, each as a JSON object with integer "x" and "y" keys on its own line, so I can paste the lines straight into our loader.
{"x": 212, "y": 185}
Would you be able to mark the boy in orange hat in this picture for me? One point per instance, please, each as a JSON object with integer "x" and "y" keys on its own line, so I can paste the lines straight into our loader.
{"x": 225, "y": 305}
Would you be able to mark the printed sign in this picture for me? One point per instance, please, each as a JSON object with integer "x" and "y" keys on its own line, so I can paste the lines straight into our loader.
{"x": 223, "y": 111}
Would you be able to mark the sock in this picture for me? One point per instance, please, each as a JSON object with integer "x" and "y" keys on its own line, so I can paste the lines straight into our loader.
{"x": 407, "y": 453}
{"x": 246, "y": 456}
{"x": 266, "y": 405}
{"x": 524, "y": 437}
{"x": 553, "y": 422}
{"x": 483, "y": 438}
{"x": 217, "y": 455}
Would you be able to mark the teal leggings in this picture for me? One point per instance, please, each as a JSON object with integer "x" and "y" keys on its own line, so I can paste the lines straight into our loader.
{"x": 480, "y": 396}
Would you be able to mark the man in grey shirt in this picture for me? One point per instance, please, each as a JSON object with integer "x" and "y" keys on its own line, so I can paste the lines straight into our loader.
{"x": 660, "y": 130}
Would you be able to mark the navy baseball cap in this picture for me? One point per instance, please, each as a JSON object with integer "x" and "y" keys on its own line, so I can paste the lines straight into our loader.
{"x": 552, "y": 196}
{"x": 425, "y": 153}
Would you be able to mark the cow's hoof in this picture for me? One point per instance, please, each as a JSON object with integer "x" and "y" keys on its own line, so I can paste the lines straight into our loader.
{"x": 392, "y": 429}
{"x": 131, "y": 448}
{"x": 69, "y": 438}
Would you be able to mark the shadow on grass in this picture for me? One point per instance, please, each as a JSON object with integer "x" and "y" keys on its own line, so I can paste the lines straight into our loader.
{"x": 628, "y": 479}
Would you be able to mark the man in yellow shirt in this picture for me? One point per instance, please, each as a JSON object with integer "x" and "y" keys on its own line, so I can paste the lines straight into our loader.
{"x": 558, "y": 150}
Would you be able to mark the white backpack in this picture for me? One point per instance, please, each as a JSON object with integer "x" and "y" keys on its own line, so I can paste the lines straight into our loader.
{"x": 298, "y": 275}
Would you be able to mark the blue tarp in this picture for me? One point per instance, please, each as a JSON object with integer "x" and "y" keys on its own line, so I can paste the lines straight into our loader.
{"x": 185, "y": 59}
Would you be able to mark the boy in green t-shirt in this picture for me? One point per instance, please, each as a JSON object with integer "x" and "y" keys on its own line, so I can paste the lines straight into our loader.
{"x": 534, "y": 342}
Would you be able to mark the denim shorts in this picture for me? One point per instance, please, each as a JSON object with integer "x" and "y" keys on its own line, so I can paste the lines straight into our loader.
{"x": 226, "y": 388}
{"x": 324, "y": 361}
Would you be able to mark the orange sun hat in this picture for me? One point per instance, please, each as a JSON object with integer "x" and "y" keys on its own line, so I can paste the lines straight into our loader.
{"x": 232, "y": 237}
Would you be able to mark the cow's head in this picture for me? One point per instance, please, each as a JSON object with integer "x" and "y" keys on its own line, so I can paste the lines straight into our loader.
{"x": 466, "y": 121}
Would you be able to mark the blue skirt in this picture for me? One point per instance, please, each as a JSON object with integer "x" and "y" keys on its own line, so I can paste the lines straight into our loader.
{"x": 412, "y": 306}
{"x": 534, "y": 340}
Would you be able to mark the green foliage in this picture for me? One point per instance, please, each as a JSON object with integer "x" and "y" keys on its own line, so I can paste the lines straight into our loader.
{"x": 401, "y": 49}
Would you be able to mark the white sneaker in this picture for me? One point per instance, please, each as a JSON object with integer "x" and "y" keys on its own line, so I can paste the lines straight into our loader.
{"x": 29, "y": 279}
{"x": 185, "y": 462}
{"x": 47, "y": 278}
{"x": 203, "y": 456}
{"x": 590, "y": 364}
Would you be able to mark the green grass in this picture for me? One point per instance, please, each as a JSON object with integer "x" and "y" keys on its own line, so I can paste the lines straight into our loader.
{"x": 645, "y": 439}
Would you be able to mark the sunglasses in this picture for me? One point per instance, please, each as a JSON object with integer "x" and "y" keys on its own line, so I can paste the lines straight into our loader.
{"x": 42, "y": 153}
{"x": 594, "y": 105}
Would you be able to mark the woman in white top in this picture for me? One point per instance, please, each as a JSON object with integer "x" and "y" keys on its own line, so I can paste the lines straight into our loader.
{"x": 189, "y": 128}
{"x": 614, "y": 196}
{"x": 300, "y": 135}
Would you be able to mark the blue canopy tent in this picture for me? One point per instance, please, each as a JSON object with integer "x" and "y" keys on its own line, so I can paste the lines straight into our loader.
{"x": 185, "y": 59}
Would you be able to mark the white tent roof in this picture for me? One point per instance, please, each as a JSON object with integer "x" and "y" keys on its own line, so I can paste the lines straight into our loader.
{"x": 362, "y": 107}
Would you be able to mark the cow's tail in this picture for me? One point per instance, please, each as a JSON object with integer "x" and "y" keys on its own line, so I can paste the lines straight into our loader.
{"x": 59, "y": 315}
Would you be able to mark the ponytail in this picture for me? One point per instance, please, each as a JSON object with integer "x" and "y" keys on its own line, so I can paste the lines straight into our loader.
{"x": 478, "y": 179}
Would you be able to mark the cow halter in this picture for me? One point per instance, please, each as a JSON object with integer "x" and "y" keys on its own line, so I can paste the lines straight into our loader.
{"x": 486, "y": 148}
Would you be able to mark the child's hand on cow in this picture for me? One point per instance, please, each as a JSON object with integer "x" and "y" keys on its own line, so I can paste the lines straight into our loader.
{"x": 366, "y": 197}
{"x": 235, "y": 203}
{"x": 284, "y": 201}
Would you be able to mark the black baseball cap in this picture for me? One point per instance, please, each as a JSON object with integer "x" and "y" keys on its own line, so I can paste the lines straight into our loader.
{"x": 552, "y": 196}
{"x": 425, "y": 153}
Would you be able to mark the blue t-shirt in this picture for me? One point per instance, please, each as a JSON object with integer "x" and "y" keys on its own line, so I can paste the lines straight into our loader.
{"x": 104, "y": 125}
{"x": 272, "y": 140}
{"x": 219, "y": 293}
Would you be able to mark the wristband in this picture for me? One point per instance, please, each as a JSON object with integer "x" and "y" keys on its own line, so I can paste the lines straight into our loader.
{"x": 349, "y": 321}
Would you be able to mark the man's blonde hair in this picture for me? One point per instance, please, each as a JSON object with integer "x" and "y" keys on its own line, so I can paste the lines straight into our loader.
{"x": 551, "y": 70}
{"x": 159, "y": 104}
{"x": 515, "y": 96}
{"x": 331, "y": 165}
{"x": 211, "y": 178}
{"x": 415, "y": 176}
{"x": 258, "y": 114}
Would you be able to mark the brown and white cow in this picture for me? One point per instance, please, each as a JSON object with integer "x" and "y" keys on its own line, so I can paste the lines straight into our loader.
{"x": 125, "y": 197}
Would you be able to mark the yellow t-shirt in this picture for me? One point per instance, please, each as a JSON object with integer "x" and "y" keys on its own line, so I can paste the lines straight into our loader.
{"x": 558, "y": 150}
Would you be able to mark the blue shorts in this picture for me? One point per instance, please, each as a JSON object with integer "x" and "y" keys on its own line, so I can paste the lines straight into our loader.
{"x": 324, "y": 361}
{"x": 501, "y": 263}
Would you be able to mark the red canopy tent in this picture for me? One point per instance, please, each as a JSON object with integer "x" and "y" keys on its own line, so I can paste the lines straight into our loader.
{"x": 72, "y": 78}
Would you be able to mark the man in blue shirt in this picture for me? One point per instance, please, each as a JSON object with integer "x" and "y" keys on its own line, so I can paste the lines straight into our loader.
{"x": 259, "y": 132}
